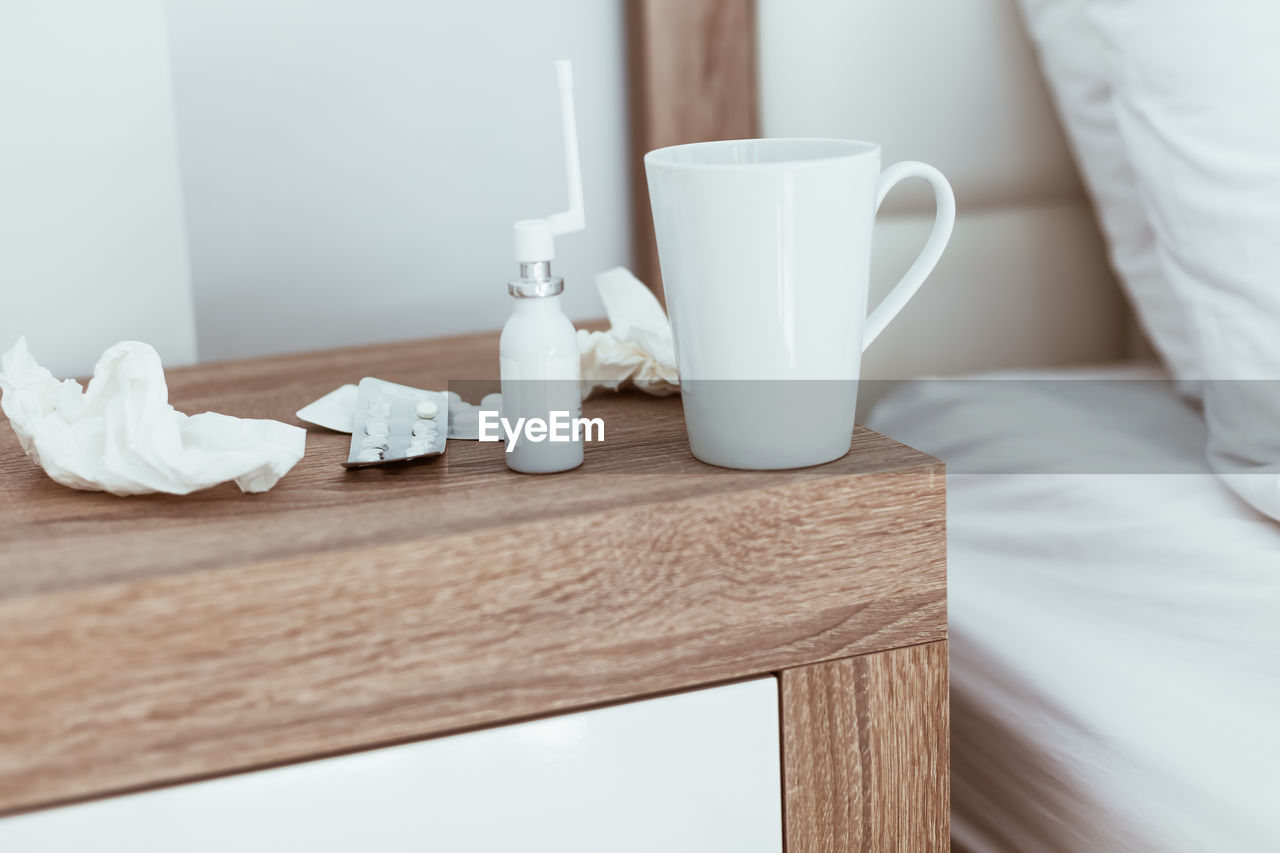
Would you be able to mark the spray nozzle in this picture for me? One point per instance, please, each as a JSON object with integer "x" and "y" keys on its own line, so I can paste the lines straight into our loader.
{"x": 535, "y": 238}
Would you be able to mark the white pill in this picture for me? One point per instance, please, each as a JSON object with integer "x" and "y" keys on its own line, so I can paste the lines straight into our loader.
{"x": 427, "y": 409}
{"x": 376, "y": 427}
{"x": 369, "y": 454}
{"x": 424, "y": 428}
{"x": 379, "y": 408}
{"x": 491, "y": 403}
{"x": 454, "y": 398}
{"x": 379, "y": 442}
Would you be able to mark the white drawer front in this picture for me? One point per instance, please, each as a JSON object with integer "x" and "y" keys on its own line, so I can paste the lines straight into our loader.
{"x": 697, "y": 771}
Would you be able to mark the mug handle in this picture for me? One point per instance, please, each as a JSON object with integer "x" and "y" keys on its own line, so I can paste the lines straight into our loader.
{"x": 924, "y": 263}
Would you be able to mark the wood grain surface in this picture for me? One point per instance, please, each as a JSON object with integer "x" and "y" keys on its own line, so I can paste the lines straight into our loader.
{"x": 692, "y": 77}
{"x": 866, "y": 753}
{"x": 153, "y": 639}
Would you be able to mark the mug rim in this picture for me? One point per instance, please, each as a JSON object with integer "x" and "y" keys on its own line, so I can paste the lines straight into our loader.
{"x": 857, "y": 148}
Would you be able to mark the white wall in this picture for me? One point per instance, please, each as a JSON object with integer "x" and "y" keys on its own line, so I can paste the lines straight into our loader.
{"x": 352, "y": 169}
{"x": 91, "y": 242}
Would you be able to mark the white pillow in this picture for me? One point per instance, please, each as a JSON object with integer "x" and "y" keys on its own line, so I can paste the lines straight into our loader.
{"x": 1197, "y": 100}
{"x": 1194, "y": 95}
{"x": 1072, "y": 57}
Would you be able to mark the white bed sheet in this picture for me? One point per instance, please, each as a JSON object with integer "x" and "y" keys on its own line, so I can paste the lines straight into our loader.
{"x": 1115, "y": 637}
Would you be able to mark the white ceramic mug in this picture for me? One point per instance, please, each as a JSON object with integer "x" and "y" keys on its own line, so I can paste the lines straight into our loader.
{"x": 765, "y": 248}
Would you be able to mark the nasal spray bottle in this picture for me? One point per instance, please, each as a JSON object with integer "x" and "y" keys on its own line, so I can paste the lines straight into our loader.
{"x": 541, "y": 370}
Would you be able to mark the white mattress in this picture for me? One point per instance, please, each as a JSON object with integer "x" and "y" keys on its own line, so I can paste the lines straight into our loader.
{"x": 1115, "y": 637}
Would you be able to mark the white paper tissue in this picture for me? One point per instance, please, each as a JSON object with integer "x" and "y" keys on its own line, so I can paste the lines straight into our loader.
{"x": 638, "y": 348}
{"x": 122, "y": 436}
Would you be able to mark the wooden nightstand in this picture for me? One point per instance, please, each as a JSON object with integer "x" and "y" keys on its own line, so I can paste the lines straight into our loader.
{"x": 155, "y": 640}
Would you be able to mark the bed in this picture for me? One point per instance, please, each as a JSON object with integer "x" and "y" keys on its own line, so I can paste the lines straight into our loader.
{"x": 1115, "y": 647}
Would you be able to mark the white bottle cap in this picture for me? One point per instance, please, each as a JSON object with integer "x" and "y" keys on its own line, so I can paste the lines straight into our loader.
{"x": 534, "y": 241}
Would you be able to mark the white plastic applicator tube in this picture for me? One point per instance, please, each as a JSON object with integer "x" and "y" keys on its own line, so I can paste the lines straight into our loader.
{"x": 573, "y": 219}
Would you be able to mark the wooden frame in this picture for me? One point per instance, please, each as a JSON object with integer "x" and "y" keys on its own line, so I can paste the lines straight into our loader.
{"x": 865, "y": 752}
{"x": 692, "y": 78}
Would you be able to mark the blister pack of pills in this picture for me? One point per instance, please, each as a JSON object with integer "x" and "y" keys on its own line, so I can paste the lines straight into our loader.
{"x": 464, "y": 418}
{"x": 395, "y": 422}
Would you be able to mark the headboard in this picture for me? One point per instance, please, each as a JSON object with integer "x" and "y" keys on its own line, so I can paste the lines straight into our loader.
{"x": 1025, "y": 281}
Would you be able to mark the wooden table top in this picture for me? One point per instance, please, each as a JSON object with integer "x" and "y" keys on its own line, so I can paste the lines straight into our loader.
{"x": 153, "y": 639}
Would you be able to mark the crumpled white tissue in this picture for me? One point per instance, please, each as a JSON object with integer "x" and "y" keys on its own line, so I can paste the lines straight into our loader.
{"x": 122, "y": 436}
{"x": 638, "y": 348}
